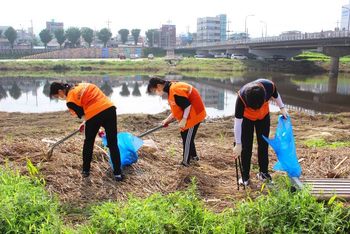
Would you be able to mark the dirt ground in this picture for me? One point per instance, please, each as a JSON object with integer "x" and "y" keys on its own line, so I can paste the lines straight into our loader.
{"x": 21, "y": 139}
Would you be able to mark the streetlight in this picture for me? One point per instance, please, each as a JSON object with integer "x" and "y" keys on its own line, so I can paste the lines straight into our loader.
{"x": 348, "y": 14}
{"x": 245, "y": 24}
{"x": 262, "y": 31}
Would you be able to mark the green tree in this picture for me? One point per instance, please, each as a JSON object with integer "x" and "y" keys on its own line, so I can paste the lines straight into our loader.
{"x": 88, "y": 35}
{"x": 124, "y": 33}
{"x": 0, "y": 33}
{"x": 11, "y": 35}
{"x": 73, "y": 35}
{"x": 135, "y": 34}
{"x": 104, "y": 35}
{"x": 60, "y": 36}
{"x": 45, "y": 36}
{"x": 151, "y": 36}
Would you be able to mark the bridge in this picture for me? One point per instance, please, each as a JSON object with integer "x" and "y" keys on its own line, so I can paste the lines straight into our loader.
{"x": 332, "y": 43}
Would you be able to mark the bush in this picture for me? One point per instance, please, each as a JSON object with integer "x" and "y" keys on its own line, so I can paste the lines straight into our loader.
{"x": 25, "y": 206}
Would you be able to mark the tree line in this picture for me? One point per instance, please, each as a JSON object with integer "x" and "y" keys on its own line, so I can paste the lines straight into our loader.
{"x": 72, "y": 36}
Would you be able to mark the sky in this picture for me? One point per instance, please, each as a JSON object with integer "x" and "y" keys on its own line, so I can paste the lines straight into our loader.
{"x": 260, "y": 16}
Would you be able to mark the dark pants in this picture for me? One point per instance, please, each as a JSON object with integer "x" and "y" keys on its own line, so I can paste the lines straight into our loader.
{"x": 108, "y": 120}
{"x": 262, "y": 127}
{"x": 189, "y": 149}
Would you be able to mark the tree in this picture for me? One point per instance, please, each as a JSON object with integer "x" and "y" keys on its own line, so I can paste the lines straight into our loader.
{"x": 60, "y": 36}
{"x": 104, "y": 35}
{"x": 88, "y": 35}
{"x": 152, "y": 36}
{"x": 0, "y": 33}
{"x": 11, "y": 35}
{"x": 45, "y": 36}
{"x": 73, "y": 35}
{"x": 124, "y": 33}
{"x": 135, "y": 33}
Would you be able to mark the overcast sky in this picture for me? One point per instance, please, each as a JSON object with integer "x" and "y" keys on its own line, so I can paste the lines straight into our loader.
{"x": 277, "y": 15}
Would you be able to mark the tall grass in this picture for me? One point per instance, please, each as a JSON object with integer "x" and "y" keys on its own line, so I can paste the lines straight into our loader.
{"x": 25, "y": 205}
{"x": 281, "y": 211}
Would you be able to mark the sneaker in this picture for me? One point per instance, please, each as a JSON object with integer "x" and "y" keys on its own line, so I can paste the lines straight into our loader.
{"x": 118, "y": 177}
{"x": 85, "y": 173}
{"x": 264, "y": 176}
{"x": 195, "y": 158}
{"x": 185, "y": 164}
{"x": 244, "y": 183}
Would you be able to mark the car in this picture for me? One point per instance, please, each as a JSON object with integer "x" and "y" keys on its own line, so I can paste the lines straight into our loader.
{"x": 238, "y": 56}
{"x": 150, "y": 56}
{"x": 199, "y": 56}
{"x": 220, "y": 56}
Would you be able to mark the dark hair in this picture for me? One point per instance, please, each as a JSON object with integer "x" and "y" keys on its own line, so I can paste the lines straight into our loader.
{"x": 153, "y": 82}
{"x": 255, "y": 96}
{"x": 55, "y": 86}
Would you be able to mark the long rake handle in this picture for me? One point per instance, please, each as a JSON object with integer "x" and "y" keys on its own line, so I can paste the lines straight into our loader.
{"x": 49, "y": 152}
{"x": 151, "y": 130}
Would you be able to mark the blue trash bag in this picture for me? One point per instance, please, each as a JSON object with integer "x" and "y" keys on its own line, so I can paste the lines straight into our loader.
{"x": 284, "y": 146}
{"x": 128, "y": 146}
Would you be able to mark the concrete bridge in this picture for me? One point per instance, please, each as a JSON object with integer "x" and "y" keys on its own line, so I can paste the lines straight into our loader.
{"x": 332, "y": 43}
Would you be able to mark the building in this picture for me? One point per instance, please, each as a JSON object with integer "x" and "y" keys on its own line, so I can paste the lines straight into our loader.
{"x": 167, "y": 36}
{"x": 212, "y": 29}
{"x": 345, "y": 17}
{"x": 52, "y": 26}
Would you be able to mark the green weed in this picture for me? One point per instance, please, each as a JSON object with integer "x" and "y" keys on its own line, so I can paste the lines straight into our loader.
{"x": 25, "y": 206}
{"x": 322, "y": 143}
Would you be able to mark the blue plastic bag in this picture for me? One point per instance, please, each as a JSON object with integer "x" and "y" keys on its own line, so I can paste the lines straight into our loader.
{"x": 128, "y": 146}
{"x": 284, "y": 146}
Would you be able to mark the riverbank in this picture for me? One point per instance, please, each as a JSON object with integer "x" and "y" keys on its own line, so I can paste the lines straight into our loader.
{"x": 322, "y": 142}
{"x": 160, "y": 66}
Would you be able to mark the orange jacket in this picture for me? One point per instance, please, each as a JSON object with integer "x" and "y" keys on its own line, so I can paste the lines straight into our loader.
{"x": 90, "y": 98}
{"x": 260, "y": 113}
{"x": 197, "y": 112}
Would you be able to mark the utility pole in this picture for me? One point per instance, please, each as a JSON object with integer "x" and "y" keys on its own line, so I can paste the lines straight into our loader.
{"x": 108, "y": 22}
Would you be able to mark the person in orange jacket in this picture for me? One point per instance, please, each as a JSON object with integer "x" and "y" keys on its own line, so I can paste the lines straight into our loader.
{"x": 252, "y": 111}
{"x": 186, "y": 107}
{"x": 88, "y": 102}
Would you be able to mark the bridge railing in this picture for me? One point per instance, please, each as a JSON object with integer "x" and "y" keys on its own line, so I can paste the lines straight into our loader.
{"x": 294, "y": 37}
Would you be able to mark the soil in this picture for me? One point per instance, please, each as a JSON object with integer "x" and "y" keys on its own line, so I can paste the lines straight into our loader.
{"x": 21, "y": 138}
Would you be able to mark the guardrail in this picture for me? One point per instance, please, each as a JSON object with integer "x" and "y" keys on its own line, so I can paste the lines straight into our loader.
{"x": 295, "y": 37}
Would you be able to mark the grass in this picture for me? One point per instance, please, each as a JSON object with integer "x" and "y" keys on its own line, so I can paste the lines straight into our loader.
{"x": 322, "y": 143}
{"x": 280, "y": 211}
{"x": 25, "y": 205}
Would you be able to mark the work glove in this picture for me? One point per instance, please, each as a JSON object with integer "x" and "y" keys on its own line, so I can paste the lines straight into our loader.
{"x": 284, "y": 112}
{"x": 182, "y": 123}
{"x": 82, "y": 127}
{"x": 237, "y": 150}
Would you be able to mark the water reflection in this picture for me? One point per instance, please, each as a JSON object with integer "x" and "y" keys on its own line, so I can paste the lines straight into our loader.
{"x": 15, "y": 91}
{"x": 107, "y": 88}
{"x": 125, "y": 90}
{"x": 303, "y": 93}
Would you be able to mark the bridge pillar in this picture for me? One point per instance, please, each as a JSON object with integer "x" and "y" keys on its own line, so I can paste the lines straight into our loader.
{"x": 333, "y": 73}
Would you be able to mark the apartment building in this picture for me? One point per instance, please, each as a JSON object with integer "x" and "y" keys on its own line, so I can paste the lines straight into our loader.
{"x": 212, "y": 29}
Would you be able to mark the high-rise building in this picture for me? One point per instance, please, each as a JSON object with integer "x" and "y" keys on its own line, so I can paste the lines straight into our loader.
{"x": 168, "y": 36}
{"x": 345, "y": 17}
{"x": 212, "y": 29}
{"x": 52, "y": 26}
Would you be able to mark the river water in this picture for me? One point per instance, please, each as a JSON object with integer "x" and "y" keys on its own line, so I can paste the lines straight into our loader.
{"x": 311, "y": 94}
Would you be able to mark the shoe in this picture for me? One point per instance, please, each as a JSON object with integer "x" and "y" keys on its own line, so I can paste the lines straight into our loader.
{"x": 195, "y": 158}
{"x": 244, "y": 183}
{"x": 264, "y": 176}
{"x": 85, "y": 173}
{"x": 118, "y": 177}
{"x": 185, "y": 164}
